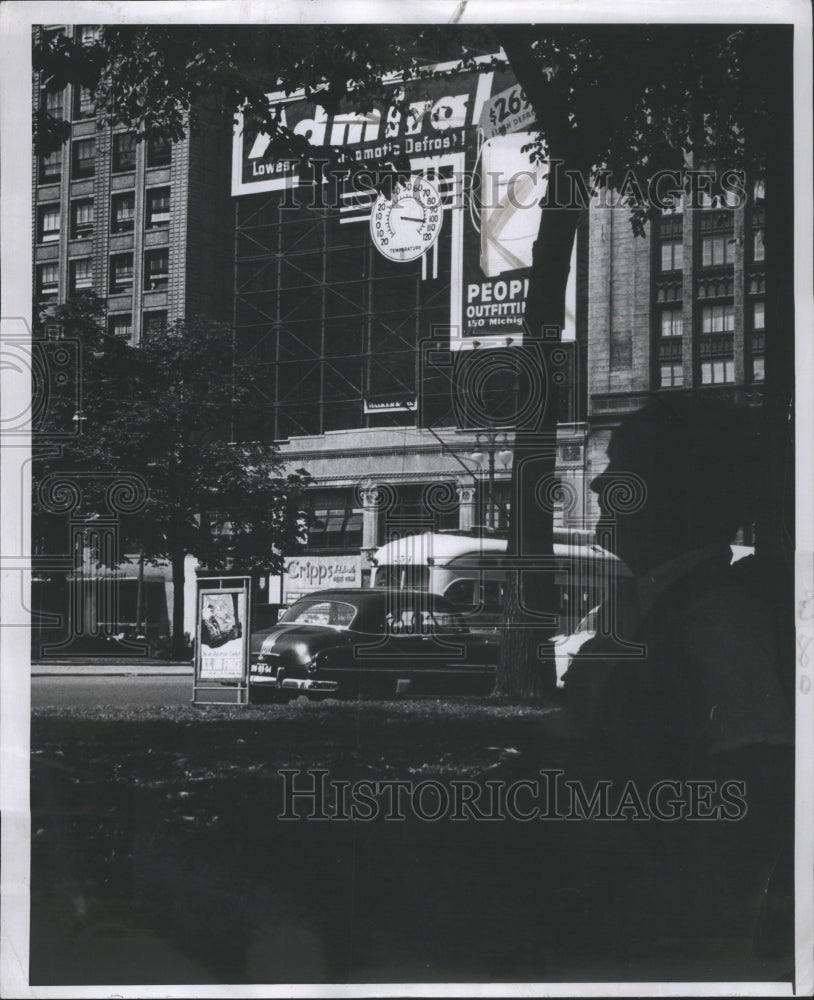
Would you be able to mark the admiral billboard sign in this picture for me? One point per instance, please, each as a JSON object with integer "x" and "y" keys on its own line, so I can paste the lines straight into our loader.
{"x": 439, "y": 120}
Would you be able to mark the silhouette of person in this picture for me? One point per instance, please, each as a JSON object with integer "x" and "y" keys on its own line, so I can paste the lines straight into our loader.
{"x": 704, "y": 701}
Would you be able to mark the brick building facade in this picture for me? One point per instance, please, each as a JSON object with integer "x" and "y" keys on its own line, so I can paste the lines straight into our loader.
{"x": 145, "y": 225}
{"x": 681, "y": 309}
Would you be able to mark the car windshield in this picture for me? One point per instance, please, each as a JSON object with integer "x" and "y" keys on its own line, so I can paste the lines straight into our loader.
{"x": 336, "y": 614}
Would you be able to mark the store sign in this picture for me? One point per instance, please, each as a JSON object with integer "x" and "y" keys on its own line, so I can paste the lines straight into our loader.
{"x": 408, "y": 405}
{"x": 306, "y": 573}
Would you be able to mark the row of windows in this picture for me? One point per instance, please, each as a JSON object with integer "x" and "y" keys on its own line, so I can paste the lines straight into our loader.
{"x": 83, "y": 157}
{"x": 716, "y": 251}
{"x": 706, "y": 201}
{"x": 714, "y": 319}
{"x": 121, "y": 324}
{"x": 156, "y": 273}
{"x": 122, "y": 215}
{"x": 83, "y": 103}
{"x": 719, "y": 371}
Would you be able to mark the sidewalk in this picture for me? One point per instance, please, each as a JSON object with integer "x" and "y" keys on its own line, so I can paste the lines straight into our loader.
{"x": 110, "y": 667}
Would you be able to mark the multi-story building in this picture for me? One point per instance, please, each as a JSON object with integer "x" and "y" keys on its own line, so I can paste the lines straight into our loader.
{"x": 147, "y": 226}
{"x": 681, "y": 309}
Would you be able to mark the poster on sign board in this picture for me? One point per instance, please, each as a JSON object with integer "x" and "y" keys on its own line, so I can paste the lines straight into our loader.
{"x": 223, "y": 626}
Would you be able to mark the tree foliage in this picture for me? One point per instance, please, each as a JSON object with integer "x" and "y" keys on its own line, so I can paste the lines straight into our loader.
{"x": 162, "y": 413}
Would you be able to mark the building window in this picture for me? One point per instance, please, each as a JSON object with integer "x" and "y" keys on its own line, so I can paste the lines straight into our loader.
{"x": 716, "y": 288}
{"x": 124, "y": 152}
{"x": 121, "y": 273}
{"x": 48, "y": 279}
{"x": 48, "y": 231}
{"x": 759, "y": 315}
{"x": 89, "y": 34}
{"x": 159, "y": 152}
{"x": 758, "y": 250}
{"x": 122, "y": 212}
{"x": 671, "y": 323}
{"x": 82, "y": 216}
{"x": 154, "y": 321}
{"x": 759, "y": 190}
{"x": 718, "y": 319}
{"x": 717, "y": 372}
{"x": 51, "y": 167}
{"x": 83, "y": 163}
{"x": 156, "y": 269}
{"x": 81, "y": 274}
{"x": 53, "y": 103}
{"x": 158, "y": 207}
{"x": 336, "y": 526}
{"x": 84, "y": 106}
{"x": 758, "y": 370}
{"x": 673, "y": 203}
{"x": 671, "y": 376}
{"x": 717, "y": 250}
{"x": 671, "y": 255}
{"x": 120, "y": 325}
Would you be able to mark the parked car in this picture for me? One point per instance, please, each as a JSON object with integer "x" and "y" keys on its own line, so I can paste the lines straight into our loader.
{"x": 348, "y": 642}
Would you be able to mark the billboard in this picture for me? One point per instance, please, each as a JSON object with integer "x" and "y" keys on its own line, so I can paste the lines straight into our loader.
{"x": 438, "y": 121}
{"x": 469, "y": 135}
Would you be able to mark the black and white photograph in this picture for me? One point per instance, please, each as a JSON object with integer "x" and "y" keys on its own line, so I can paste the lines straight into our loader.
{"x": 407, "y": 511}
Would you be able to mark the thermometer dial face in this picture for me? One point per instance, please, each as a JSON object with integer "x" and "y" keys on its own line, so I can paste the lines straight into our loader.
{"x": 407, "y": 224}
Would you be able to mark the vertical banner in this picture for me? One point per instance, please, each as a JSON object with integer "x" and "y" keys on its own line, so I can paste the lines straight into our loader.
{"x": 498, "y": 239}
{"x": 222, "y": 647}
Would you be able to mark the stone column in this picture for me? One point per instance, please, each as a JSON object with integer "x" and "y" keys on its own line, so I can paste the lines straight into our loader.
{"x": 370, "y": 511}
{"x": 466, "y": 506}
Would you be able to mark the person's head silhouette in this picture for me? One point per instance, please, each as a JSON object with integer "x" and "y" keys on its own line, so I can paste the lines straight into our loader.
{"x": 680, "y": 476}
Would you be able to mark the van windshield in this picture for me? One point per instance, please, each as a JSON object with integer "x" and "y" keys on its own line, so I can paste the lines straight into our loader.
{"x": 407, "y": 577}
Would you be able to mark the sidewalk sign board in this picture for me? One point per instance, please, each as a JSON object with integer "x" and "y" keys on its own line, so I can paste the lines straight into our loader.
{"x": 222, "y": 641}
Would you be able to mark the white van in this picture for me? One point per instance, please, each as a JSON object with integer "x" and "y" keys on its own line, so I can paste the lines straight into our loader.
{"x": 472, "y": 571}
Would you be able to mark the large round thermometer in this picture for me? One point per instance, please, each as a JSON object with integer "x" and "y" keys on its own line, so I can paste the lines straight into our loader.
{"x": 405, "y": 225}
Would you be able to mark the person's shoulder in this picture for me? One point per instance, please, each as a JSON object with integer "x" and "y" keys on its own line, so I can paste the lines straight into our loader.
{"x": 750, "y": 586}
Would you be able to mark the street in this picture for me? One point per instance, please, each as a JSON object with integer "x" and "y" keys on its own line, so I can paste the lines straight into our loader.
{"x": 108, "y": 690}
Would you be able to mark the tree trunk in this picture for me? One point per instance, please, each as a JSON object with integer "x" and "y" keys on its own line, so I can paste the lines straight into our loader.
{"x": 532, "y": 594}
{"x": 179, "y": 649}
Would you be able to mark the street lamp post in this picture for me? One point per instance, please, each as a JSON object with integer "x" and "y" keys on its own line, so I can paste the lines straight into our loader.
{"x": 491, "y": 441}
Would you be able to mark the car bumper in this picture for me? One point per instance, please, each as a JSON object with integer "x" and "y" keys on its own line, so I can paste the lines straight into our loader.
{"x": 293, "y": 683}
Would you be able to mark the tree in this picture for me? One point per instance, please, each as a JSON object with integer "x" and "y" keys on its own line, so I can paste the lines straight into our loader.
{"x": 615, "y": 107}
{"x": 161, "y": 414}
